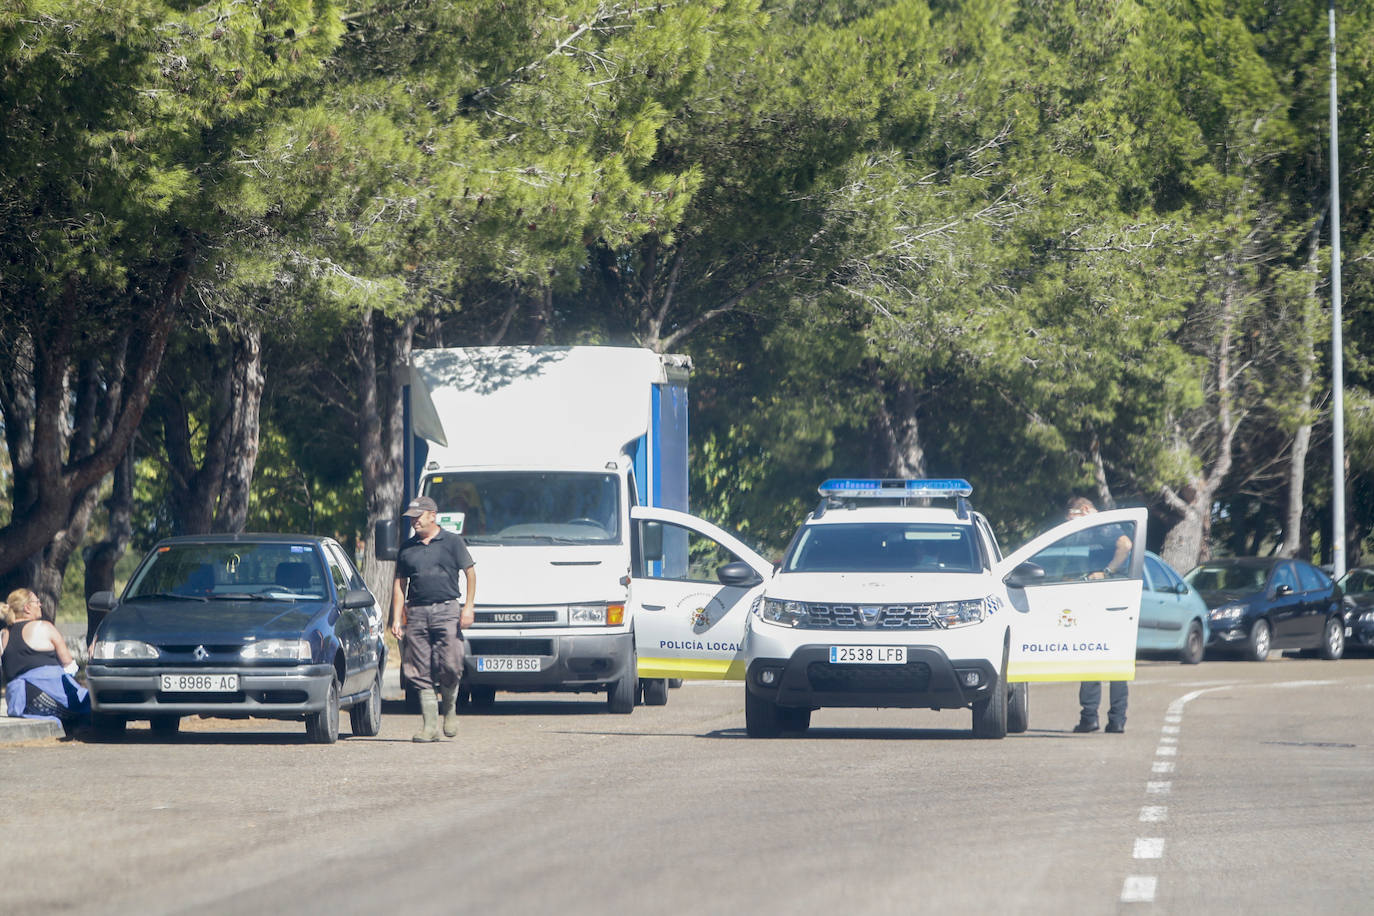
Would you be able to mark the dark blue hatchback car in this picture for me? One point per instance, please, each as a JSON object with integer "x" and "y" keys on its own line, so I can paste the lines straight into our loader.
{"x": 1261, "y": 603}
{"x": 251, "y": 625}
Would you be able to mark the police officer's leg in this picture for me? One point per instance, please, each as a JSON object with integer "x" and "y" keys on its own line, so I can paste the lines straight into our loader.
{"x": 448, "y": 658}
{"x": 416, "y": 662}
{"x": 1089, "y": 698}
{"x": 1116, "y": 710}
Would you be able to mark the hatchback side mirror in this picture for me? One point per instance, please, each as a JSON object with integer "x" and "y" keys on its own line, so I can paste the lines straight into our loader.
{"x": 358, "y": 597}
{"x": 1181, "y": 588}
{"x": 1283, "y": 590}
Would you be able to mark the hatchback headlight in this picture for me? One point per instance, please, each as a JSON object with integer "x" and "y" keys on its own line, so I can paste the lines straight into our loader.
{"x": 1227, "y": 613}
{"x": 951, "y": 614}
{"x": 122, "y": 650}
{"x": 786, "y": 613}
{"x": 276, "y": 650}
{"x": 1367, "y": 617}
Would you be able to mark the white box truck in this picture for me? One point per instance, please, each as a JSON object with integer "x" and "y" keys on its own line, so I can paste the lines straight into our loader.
{"x": 547, "y": 451}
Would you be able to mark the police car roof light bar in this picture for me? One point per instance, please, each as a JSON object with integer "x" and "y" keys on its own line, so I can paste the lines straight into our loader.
{"x": 901, "y": 488}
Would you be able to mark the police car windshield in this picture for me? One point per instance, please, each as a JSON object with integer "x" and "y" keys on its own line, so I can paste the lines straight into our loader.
{"x": 884, "y": 547}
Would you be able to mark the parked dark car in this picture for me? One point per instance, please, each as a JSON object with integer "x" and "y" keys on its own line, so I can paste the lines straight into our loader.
{"x": 253, "y": 625}
{"x": 1358, "y": 587}
{"x": 1262, "y": 603}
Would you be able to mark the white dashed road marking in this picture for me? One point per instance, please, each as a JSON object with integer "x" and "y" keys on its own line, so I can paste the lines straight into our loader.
{"x": 1139, "y": 889}
{"x": 1148, "y": 848}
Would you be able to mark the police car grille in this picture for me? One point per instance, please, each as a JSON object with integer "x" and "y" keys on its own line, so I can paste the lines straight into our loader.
{"x": 889, "y": 617}
{"x": 828, "y": 678}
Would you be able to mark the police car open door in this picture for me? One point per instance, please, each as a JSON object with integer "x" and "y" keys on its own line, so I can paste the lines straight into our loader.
{"x": 1075, "y": 599}
{"x": 692, "y": 585}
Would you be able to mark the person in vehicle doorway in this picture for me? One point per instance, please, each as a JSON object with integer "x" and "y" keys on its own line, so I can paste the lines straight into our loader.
{"x": 425, "y": 610}
{"x": 1090, "y": 692}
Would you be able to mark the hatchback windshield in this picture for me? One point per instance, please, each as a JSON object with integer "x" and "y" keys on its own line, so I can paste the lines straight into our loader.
{"x": 890, "y": 547}
{"x": 529, "y": 507}
{"x": 263, "y": 571}
{"x": 1227, "y": 578}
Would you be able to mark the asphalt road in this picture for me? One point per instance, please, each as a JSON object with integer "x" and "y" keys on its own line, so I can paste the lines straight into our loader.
{"x": 1237, "y": 788}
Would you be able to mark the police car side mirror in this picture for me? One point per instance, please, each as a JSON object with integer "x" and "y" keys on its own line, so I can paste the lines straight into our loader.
{"x": 739, "y": 574}
{"x": 386, "y": 544}
{"x": 1026, "y": 574}
{"x": 651, "y": 541}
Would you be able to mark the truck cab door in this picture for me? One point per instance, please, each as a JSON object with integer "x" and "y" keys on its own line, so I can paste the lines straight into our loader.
{"x": 1069, "y": 620}
{"x": 691, "y": 589}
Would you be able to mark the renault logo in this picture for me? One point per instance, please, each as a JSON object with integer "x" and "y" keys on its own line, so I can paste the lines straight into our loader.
{"x": 201, "y": 653}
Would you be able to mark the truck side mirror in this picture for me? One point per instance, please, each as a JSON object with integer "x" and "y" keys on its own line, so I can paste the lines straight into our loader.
{"x": 651, "y": 541}
{"x": 386, "y": 543}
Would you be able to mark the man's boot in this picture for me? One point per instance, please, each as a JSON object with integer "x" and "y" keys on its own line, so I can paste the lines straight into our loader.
{"x": 429, "y": 709}
{"x": 448, "y": 704}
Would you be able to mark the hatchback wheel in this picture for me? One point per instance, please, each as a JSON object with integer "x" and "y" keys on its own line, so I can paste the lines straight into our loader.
{"x": 1257, "y": 649}
{"x": 1333, "y": 639}
{"x": 366, "y": 718}
{"x": 1193, "y": 645}
{"x": 165, "y": 725}
{"x": 323, "y": 727}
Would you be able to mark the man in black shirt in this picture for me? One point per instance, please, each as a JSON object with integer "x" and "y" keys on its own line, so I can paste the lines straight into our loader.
{"x": 425, "y": 609}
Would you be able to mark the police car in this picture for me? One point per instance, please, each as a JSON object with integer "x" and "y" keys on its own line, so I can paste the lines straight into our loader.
{"x": 894, "y": 593}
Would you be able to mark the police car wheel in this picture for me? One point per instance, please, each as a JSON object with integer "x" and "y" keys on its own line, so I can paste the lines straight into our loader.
{"x": 794, "y": 721}
{"x": 1018, "y": 708}
{"x": 990, "y": 715}
{"x": 655, "y": 691}
{"x": 761, "y": 718}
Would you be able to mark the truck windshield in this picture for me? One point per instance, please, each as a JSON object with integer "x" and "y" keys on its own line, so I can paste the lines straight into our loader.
{"x": 528, "y": 507}
{"x": 894, "y": 547}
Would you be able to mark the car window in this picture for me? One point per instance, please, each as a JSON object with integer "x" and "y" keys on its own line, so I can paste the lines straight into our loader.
{"x": 1357, "y": 582}
{"x": 273, "y": 570}
{"x": 688, "y": 556}
{"x": 1283, "y": 575}
{"x": 1082, "y": 554}
{"x": 1310, "y": 578}
{"x": 338, "y": 569}
{"x": 1157, "y": 577}
{"x": 1227, "y": 577}
{"x": 884, "y": 547}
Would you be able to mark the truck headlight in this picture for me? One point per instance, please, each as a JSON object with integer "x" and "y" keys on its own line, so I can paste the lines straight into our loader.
{"x": 785, "y": 613}
{"x": 596, "y": 615}
{"x": 276, "y": 650}
{"x": 122, "y": 650}
{"x": 1227, "y": 613}
{"x": 951, "y": 614}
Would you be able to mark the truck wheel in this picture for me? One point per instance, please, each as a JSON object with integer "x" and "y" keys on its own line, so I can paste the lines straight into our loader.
{"x": 1193, "y": 646}
{"x": 323, "y": 727}
{"x": 620, "y": 699}
{"x": 675, "y": 682}
{"x": 655, "y": 691}
{"x": 1018, "y": 708}
{"x": 481, "y": 696}
{"x": 761, "y": 719}
{"x": 990, "y": 715}
{"x": 366, "y": 717}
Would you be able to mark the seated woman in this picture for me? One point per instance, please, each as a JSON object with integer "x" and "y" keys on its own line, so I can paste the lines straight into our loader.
{"x": 38, "y": 666}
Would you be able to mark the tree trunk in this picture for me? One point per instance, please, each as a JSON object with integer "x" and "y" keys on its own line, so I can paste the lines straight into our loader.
{"x": 102, "y": 556}
{"x": 899, "y": 450}
{"x": 1186, "y": 544}
{"x": 380, "y": 433}
{"x": 244, "y": 432}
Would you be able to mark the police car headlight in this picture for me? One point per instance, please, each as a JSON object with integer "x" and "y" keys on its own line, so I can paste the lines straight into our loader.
{"x": 276, "y": 650}
{"x": 784, "y": 613}
{"x": 951, "y": 614}
{"x": 1227, "y": 613}
{"x": 119, "y": 650}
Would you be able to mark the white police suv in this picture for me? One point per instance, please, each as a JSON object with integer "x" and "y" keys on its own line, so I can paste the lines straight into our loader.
{"x": 885, "y": 600}
{"x": 892, "y": 593}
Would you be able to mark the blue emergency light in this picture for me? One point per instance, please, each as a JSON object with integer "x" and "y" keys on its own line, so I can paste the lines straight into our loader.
{"x": 869, "y": 488}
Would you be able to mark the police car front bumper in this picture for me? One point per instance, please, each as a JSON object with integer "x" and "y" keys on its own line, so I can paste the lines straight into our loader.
{"x": 928, "y": 679}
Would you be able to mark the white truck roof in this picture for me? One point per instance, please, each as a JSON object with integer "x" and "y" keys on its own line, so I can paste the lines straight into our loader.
{"x": 556, "y": 407}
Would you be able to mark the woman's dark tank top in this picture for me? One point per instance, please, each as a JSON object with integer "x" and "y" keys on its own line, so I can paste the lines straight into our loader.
{"x": 18, "y": 657}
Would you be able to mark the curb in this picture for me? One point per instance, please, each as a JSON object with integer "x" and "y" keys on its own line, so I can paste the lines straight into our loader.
{"x": 15, "y": 729}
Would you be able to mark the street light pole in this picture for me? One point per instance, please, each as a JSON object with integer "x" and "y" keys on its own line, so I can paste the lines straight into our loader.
{"x": 1337, "y": 355}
